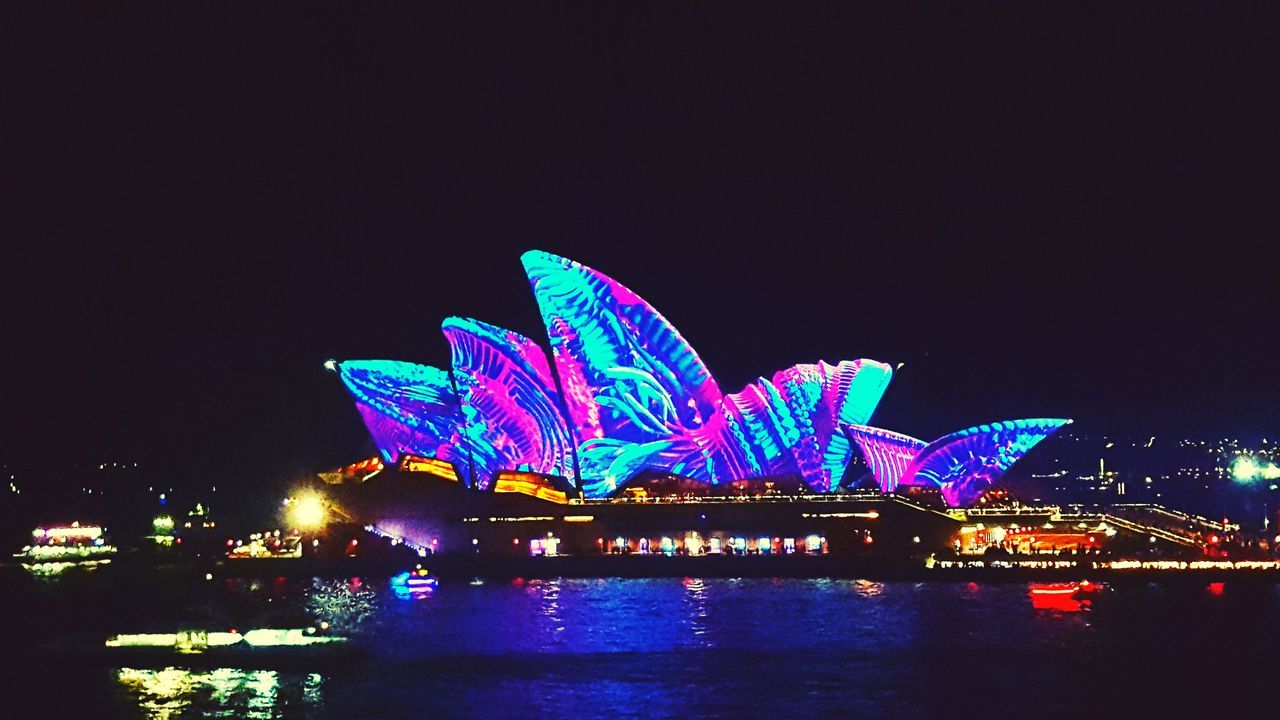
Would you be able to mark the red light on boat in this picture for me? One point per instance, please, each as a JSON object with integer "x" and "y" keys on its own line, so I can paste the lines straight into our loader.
{"x": 1062, "y": 597}
{"x": 1053, "y": 590}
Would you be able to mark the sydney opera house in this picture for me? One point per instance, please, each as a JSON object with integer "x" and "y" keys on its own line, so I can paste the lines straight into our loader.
{"x": 623, "y": 409}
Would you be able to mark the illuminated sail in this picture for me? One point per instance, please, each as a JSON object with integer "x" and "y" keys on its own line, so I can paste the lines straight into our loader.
{"x": 509, "y": 402}
{"x": 639, "y": 397}
{"x": 965, "y": 463}
{"x": 887, "y": 453}
{"x": 962, "y": 465}
{"x": 409, "y": 410}
{"x": 790, "y": 425}
{"x": 631, "y": 383}
{"x": 630, "y": 395}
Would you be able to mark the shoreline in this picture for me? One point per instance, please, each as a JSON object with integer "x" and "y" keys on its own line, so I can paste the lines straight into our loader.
{"x": 788, "y": 567}
{"x": 872, "y": 568}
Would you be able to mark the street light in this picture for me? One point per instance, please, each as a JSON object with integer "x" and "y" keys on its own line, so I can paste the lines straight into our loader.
{"x": 306, "y": 512}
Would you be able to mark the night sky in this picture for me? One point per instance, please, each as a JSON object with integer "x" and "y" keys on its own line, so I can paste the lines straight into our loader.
{"x": 1042, "y": 210}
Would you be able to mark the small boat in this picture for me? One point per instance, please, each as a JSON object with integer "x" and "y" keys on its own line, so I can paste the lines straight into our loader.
{"x": 1078, "y": 590}
{"x": 414, "y": 582}
{"x": 1067, "y": 596}
{"x": 262, "y": 647}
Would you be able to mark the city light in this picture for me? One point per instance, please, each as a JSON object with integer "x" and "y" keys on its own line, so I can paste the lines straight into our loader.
{"x": 1245, "y": 468}
{"x": 162, "y": 525}
{"x": 306, "y": 512}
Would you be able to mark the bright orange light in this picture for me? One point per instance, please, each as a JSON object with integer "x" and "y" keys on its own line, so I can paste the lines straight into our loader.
{"x": 529, "y": 484}
{"x": 439, "y": 468}
{"x": 307, "y": 512}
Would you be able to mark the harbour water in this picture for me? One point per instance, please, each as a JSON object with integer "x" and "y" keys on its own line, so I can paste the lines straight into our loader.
{"x": 644, "y": 648}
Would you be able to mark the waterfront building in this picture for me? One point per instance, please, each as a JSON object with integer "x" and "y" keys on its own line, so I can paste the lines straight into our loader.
{"x": 625, "y": 396}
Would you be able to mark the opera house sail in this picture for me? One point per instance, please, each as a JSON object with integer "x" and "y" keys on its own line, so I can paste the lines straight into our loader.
{"x": 626, "y": 394}
{"x": 410, "y": 410}
{"x": 509, "y": 402}
{"x": 963, "y": 464}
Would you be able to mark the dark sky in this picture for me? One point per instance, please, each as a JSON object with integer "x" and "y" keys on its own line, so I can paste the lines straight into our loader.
{"x": 1040, "y": 209}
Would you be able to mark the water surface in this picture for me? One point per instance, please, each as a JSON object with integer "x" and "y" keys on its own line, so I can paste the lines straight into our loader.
{"x": 671, "y": 648}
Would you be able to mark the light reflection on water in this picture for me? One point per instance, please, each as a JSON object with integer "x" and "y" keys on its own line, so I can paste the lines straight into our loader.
{"x": 683, "y": 647}
{"x": 347, "y": 605}
{"x": 173, "y": 692}
{"x": 695, "y": 599}
{"x": 867, "y": 588}
{"x": 548, "y": 594}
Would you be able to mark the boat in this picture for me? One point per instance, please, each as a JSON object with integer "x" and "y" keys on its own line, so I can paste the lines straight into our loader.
{"x": 267, "y": 545}
{"x": 261, "y": 647}
{"x": 414, "y": 582}
{"x": 58, "y": 548}
{"x": 1065, "y": 596}
{"x": 1077, "y": 590}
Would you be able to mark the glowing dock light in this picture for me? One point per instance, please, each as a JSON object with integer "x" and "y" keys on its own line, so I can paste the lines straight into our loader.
{"x": 162, "y": 525}
{"x": 306, "y": 512}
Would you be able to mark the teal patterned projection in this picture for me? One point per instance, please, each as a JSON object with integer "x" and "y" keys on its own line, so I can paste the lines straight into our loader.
{"x": 409, "y": 410}
{"x": 623, "y": 367}
{"x": 790, "y": 425}
{"x": 963, "y": 465}
{"x": 509, "y": 402}
{"x": 639, "y": 397}
{"x": 626, "y": 393}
